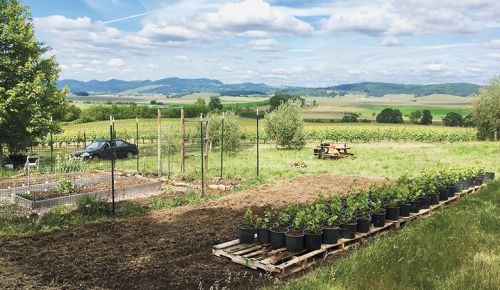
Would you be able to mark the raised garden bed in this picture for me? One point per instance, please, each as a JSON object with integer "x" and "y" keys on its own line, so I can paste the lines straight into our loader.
{"x": 257, "y": 255}
{"x": 125, "y": 188}
{"x": 37, "y": 178}
{"x": 51, "y": 183}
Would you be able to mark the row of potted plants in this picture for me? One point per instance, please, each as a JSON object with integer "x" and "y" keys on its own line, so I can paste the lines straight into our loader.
{"x": 325, "y": 221}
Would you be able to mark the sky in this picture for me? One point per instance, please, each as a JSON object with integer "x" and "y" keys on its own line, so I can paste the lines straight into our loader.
{"x": 281, "y": 43}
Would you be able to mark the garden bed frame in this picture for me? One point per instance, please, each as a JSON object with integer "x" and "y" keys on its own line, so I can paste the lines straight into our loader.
{"x": 284, "y": 263}
{"x": 128, "y": 192}
{"x": 7, "y": 192}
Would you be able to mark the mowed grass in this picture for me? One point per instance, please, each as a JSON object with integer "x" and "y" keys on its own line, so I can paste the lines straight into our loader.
{"x": 456, "y": 248}
{"x": 385, "y": 159}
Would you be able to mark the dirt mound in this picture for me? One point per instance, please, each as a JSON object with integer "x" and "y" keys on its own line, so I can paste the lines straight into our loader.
{"x": 169, "y": 249}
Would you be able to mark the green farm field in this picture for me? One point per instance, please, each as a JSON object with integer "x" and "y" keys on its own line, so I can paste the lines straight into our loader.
{"x": 369, "y": 107}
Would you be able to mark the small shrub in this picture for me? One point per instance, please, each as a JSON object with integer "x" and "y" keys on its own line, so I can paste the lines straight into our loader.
{"x": 70, "y": 165}
{"x": 232, "y": 131}
{"x": 128, "y": 209}
{"x": 65, "y": 186}
{"x": 27, "y": 195}
{"x": 92, "y": 206}
{"x": 286, "y": 126}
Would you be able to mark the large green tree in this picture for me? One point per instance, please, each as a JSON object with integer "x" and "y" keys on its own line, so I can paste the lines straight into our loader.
{"x": 389, "y": 115}
{"x": 426, "y": 117}
{"x": 215, "y": 103}
{"x": 486, "y": 110}
{"x": 29, "y": 96}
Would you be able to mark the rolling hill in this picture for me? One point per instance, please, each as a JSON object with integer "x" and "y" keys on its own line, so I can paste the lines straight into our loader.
{"x": 175, "y": 85}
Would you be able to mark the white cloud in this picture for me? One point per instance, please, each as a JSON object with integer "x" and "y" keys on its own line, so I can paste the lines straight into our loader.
{"x": 371, "y": 20}
{"x": 181, "y": 57}
{"x": 252, "y": 15}
{"x": 226, "y": 68}
{"x": 404, "y": 17}
{"x": 116, "y": 62}
{"x": 165, "y": 32}
{"x": 493, "y": 56}
{"x": 265, "y": 44}
{"x": 390, "y": 41}
{"x": 436, "y": 67}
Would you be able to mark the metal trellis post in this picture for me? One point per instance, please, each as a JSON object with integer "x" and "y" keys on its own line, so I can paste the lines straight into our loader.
{"x": 111, "y": 129}
{"x": 202, "y": 157}
{"x": 137, "y": 142}
{"x": 222, "y": 146}
{"x": 257, "y": 142}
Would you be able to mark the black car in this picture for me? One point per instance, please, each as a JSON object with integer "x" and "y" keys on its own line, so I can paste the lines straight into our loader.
{"x": 101, "y": 149}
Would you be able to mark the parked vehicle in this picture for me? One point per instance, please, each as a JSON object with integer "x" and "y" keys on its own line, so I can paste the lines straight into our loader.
{"x": 103, "y": 149}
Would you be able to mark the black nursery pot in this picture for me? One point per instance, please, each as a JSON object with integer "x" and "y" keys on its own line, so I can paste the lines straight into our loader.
{"x": 363, "y": 225}
{"x": 404, "y": 209}
{"x": 425, "y": 202}
{"x": 331, "y": 234}
{"x": 443, "y": 194}
{"x": 264, "y": 236}
{"x": 415, "y": 206}
{"x": 278, "y": 237}
{"x": 465, "y": 184}
{"x": 378, "y": 219}
{"x": 246, "y": 234}
{"x": 348, "y": 230}
{"x": 434, "y": 198}
{"x": 294, "y": 241}
{"x": 312, "y": 240}
{"x": 478, "y": 180}
{"x": 451, "y": 190}
{"x": 484, "y": 178}
{"x": 392, "y": 213}
{"x": 458, "y": 187}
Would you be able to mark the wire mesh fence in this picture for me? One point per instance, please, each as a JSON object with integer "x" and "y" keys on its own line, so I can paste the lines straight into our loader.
{"x": 163, "y": 147}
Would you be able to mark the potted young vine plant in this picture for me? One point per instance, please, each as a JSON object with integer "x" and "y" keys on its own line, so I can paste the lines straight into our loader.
{"x": 263, "y": 223}
{"x": 331, "y": 230}
{"x": 378, "y": 212}
{"x": 294, "y": 237}
{"x": 278, "y": 231}
{"x": 391, "y": 203}
{"x": 348, "y": 221}
{"x": 364, "y": 219}
{"x": 247, "y": 228}
{"x": 404, "y": 200}
{"x": 313, "y": 234}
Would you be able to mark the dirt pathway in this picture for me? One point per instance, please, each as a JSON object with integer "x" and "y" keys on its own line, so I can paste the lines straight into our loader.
{"x": 168, "y": 249}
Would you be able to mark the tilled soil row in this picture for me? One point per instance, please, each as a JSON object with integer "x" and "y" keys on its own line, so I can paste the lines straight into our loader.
{"x": 168, "y": 249}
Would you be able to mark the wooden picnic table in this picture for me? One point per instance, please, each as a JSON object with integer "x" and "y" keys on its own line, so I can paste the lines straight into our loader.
{"x": 332, "y": 151}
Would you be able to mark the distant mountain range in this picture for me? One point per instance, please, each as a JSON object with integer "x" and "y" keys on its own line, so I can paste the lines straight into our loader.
{"x": 172, "y": 86}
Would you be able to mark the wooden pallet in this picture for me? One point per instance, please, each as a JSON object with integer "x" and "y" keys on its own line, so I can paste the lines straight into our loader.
{"x": 283, "y": 263}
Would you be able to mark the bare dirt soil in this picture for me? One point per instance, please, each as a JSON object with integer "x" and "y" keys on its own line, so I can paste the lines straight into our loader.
{"x": 168, "y": 249}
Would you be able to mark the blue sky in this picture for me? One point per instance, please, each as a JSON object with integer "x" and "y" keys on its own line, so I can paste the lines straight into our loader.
{"x": 303, "y": 43}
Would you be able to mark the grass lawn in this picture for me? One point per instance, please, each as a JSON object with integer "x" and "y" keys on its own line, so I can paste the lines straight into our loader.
{"x": 387, "y": 159}
{"x": 456, "y": 248}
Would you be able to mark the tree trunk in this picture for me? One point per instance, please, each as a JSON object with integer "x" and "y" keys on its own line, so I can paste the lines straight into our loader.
{"x": 495, "y": 136}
